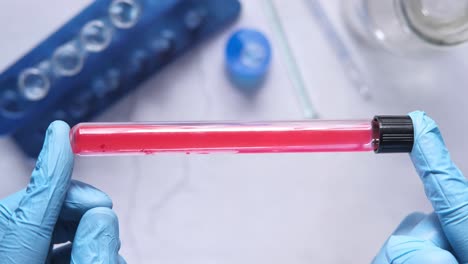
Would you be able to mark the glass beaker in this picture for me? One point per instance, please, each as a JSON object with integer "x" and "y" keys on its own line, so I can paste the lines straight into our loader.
{"x": 408, "y": 26}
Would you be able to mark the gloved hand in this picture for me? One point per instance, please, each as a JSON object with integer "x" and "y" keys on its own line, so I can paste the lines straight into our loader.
{"x": 440, "y": 237}
{"x": 53, "y": 209}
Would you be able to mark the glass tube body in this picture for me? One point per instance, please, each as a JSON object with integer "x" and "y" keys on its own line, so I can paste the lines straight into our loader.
{"x": 409, "y": 26}
{"x": 225, "y": 137}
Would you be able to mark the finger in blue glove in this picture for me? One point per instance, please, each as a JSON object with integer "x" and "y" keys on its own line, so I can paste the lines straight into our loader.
{"x": 418, "y": 239}
{"x": 444, "y": 184}
{"x": 97, "y": 238}
{"x": 441, "y": 237}
{"x": 50, "y": 209}
{"x": 26, "y": 234}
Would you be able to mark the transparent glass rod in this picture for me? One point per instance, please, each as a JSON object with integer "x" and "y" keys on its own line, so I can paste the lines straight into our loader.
{"x": 224, "y": 137}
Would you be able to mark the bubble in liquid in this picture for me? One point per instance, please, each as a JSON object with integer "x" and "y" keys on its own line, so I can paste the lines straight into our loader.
{"x": 67, "y": 60}
{"x": 124, "y": 13}
{"x": 33, "y": 84}
{"x": 96, "y": 36}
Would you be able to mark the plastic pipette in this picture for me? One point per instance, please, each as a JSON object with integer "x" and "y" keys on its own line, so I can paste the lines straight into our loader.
{"x": 383, "y": 134}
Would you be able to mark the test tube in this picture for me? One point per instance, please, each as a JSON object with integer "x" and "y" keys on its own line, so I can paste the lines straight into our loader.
{"x": 383, "y": 134}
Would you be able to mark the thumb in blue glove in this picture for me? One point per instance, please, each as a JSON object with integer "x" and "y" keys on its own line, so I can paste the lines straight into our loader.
{"x": 441, "y": 237}
{"x": 54, "y": 209}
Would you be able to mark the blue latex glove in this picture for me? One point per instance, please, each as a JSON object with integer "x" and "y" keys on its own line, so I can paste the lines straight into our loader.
{"x": 441, "y": 237}
{"x": 53, "y": 209}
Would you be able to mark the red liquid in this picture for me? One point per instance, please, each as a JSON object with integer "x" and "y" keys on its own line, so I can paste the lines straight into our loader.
{"x": 204, "y": 138}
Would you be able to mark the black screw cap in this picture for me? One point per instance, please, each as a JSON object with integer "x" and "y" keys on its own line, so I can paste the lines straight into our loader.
{"x": 393, "y": 134}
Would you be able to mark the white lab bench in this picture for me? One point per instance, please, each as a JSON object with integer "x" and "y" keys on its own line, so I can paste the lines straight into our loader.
{"x": 275, "y": 208}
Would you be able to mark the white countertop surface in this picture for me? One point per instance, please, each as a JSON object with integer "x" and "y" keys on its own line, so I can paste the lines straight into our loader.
{"x": 281, "y": 208}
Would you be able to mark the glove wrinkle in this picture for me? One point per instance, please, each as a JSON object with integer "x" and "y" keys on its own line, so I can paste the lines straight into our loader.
{"x": 97, "y": 238}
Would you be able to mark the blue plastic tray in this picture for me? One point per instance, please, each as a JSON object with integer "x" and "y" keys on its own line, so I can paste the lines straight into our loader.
{"x": 164, "y": 31}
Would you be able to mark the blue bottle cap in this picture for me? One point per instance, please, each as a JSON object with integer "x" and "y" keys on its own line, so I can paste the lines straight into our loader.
{"x": 248, "y": 56}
